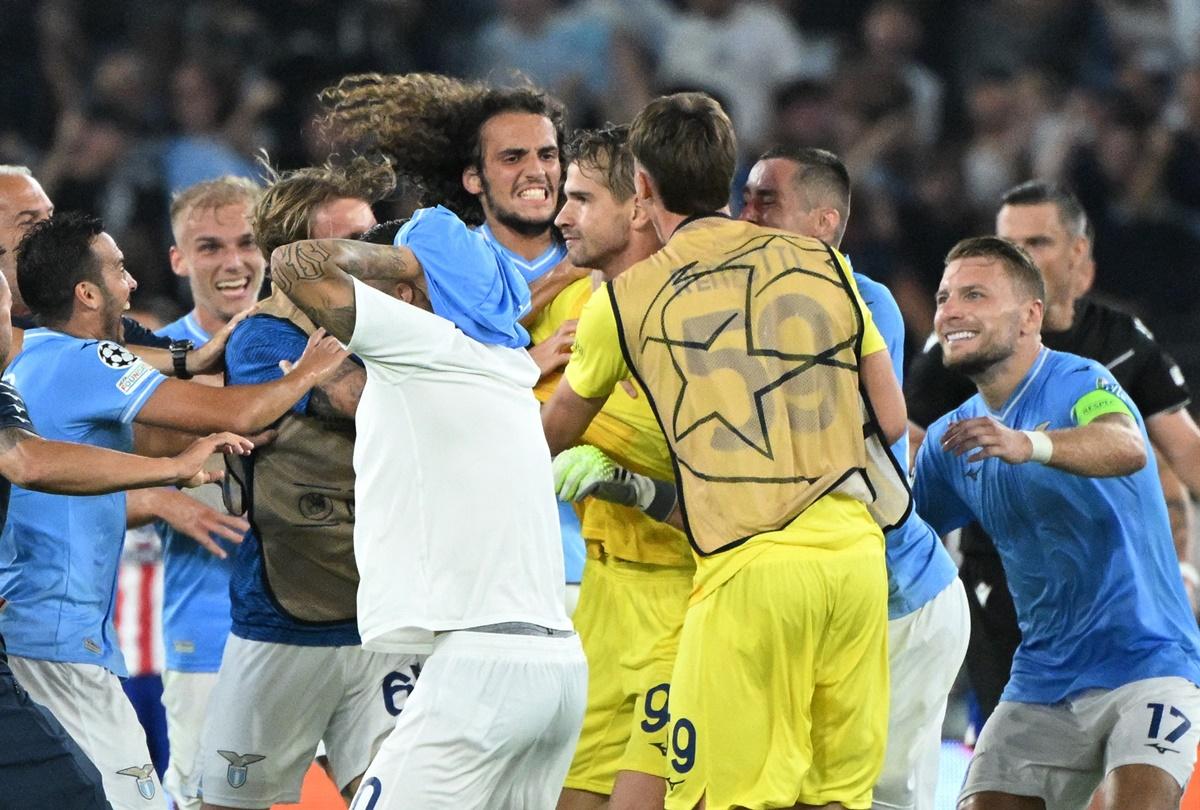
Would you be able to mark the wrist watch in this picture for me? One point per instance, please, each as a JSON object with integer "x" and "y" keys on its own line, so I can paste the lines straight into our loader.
{"x": 179, "y": 350}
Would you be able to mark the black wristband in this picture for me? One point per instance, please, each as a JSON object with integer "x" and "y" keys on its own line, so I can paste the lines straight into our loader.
{"x": 179, "y": 351}
{"x": 664, "y": 501}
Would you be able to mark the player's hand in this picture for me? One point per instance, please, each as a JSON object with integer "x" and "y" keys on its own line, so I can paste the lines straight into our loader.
{"x": 990, "y": 438}
{"x": 585, "y": 470}
{"x": 191, "y": 461}
{"x": 553, "y": 353}
{"x": 321, "y": 358}
{"x": 210, "y": 358}
{"x": 198, "y": 521}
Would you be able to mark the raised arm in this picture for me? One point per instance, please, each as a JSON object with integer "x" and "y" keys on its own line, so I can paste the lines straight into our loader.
{"x": 197, "y": 408}
{"x": 1110, "y": 445}
{"x": 315, "y": 275}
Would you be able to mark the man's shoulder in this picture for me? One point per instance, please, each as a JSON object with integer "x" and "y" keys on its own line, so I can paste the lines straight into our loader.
{"x": 1060, "y": 364}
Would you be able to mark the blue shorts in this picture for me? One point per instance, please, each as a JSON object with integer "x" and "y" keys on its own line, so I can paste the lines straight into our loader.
{"x": 40, "y": 765}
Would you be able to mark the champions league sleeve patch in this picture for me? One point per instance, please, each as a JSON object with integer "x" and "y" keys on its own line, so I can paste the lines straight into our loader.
{"x": 114, "y": 355}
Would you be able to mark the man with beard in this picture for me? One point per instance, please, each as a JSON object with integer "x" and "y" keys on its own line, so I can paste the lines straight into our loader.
{"x": 638, "y": 573}
{"x": 1048, "y": 221}
{"x": 60, "y": 553}
{"x": 494, "y": 157}
{"x": 42, "y": 766}
{"x": 1051, "y": 457}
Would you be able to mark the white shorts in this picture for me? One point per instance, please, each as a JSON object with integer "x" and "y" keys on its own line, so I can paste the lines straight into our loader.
{"x": 492, "y": 724}
{"x": 185, "y": 697}
{"x": 1063, "y": 751}
{"x": 89, "y": 702}
{"x": 925, "y": 652}
{"x": 272, "y": 705}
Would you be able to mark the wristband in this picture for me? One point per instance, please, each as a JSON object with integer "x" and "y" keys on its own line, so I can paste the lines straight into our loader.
{"x": 1190, "y": 575}
{"x": 1043, "y": 447}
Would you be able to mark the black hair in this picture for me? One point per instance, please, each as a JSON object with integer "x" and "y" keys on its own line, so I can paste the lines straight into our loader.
{"x": 54, "y": 256}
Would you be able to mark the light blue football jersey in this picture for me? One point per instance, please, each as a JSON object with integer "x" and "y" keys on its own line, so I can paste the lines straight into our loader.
{"x": 918, "y": 565}
{"x": 1090, "y": 561}
{"x": 59, "y": 554}
{"x": 195, "y": 612}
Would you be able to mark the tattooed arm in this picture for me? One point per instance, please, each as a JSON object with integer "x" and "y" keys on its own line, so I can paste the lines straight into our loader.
{"x": 315, "y": 275}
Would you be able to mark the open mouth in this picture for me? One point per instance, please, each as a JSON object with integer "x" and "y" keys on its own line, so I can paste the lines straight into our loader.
{"x": 233, "y": 288}
{"x": 959, "y": 336}
{"x": 534, "y": 194}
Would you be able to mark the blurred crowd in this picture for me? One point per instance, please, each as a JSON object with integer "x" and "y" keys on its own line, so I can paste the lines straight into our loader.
{"x": 937, "y": 106}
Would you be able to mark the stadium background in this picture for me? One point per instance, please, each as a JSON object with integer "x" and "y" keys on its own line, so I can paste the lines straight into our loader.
{"x": 936, "y": 106}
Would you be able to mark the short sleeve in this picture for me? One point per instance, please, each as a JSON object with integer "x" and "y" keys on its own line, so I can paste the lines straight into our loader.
{"x": 1088, "y": 391}
{"x": 118, "y": 383}
{"x": 390, "y": 332}
{"x": 255, "y": 348}
{"x": 888, "y": 319}
{"x": 597, "y": 364}
{"x": 934, "y": 498}
{"x": 1157, "y": 384}
{"x": 872, "y": 341}
{"x": 13, "y": 413}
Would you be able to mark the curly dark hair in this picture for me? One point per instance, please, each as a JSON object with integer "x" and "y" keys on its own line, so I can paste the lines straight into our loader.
{"x": 54, "y": 256}
{"x": 428, "y": 126}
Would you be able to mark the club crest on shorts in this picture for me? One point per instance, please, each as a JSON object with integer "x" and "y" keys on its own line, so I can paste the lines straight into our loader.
{"x": 114, "y": 355}
{"x": 236, "y": 773}
{"x": 145, "y": 784}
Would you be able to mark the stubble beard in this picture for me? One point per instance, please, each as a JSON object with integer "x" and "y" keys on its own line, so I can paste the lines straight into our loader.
{"x": 512, "y": 220}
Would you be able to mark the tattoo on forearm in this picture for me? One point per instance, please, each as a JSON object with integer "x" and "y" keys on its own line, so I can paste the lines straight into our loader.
{"x": 301, "y": 261}
{"x": 388, "y": 264}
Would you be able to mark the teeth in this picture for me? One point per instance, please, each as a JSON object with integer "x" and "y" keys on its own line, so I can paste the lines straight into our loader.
{"x": 534, "y": 194}
{"x": 953, "y": 336}
{"x": 231, "y": 285}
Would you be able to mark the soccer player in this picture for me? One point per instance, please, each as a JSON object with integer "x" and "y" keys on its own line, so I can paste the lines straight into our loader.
{"x": 41, "y": 765}
{"x": 638, "y": 575}
{"x": 1048, "y": 221}
{"x": 449, "y": 444}
{"x": 215, "y": 251}
{"x": 779, "y": 690}
{"x": 22, "y": 204}
{"x": 1051, "y": 457}
{"x": 60, "y": 552}
{"x": 493, "y": 156}
{"x": 807, "y": 191}
{"x": 295, "y": 578}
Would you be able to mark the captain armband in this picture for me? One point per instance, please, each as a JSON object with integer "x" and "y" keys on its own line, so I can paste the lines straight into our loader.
{"x": 1097, "y": 403}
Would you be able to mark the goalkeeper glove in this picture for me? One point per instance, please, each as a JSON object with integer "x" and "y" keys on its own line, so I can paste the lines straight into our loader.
{"x": 585, "y": 471}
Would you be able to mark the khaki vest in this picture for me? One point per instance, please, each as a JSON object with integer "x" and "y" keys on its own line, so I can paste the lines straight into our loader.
{"x": 747, "y": 342}
{"x": 300, "y": 499}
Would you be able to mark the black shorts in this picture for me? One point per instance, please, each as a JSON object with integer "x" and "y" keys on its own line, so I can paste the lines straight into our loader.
{"x": 40, "y": 765}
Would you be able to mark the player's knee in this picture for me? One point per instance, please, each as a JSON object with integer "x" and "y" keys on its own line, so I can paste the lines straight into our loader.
{"x": 1143, "y": 786}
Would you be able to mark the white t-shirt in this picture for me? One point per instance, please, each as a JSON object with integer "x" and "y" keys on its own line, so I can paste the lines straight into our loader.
{"x": 455, "y": 520}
